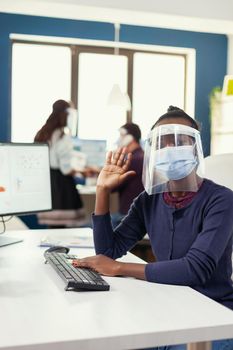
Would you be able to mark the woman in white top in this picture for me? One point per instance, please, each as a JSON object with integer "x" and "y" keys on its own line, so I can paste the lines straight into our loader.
{"x": 63, "y": 163}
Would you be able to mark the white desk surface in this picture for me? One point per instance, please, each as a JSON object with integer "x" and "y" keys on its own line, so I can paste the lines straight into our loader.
{"x": 37, "y": 313}
{"x": 85, "y": 189}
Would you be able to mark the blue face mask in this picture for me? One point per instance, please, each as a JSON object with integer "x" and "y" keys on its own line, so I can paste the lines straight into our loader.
{"x": 176, "y": 163}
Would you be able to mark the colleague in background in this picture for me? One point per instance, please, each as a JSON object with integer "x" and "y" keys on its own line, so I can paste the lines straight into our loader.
{"x": 188, "y": 218}
{"x": 67, "y": 204}
{"x": 130, "y": 135}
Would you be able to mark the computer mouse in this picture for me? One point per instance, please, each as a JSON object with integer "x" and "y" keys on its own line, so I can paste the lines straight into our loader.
{"x": 57, "y": 249}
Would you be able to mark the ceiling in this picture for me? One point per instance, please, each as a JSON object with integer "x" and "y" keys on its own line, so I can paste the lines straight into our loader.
{"x": 212, "y": 9}
{"x": 200, "y": 15}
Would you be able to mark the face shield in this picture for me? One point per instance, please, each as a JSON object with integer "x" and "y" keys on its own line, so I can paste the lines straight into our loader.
{"x": 125, "y": 139}
{"x": 72, "y": 120}
{"x": 173, "y": 159}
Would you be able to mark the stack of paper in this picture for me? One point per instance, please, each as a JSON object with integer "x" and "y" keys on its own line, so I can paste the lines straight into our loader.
{"x": 72, "y": 238}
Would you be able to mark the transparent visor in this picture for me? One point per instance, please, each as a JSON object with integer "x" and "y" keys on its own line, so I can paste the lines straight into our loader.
{"x": 173, "y": 159}
{"x": 72, "y": 121}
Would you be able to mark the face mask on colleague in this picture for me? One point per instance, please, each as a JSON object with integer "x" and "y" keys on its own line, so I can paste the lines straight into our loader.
{"x": 72, "y": 120}
{"x": 125, "y": 139}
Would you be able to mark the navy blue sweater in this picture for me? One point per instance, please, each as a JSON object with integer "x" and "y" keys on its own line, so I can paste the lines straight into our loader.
{"x": 193, "y": 245}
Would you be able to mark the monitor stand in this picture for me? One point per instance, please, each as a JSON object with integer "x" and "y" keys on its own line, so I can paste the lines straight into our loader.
{"x": 9, "y": 240}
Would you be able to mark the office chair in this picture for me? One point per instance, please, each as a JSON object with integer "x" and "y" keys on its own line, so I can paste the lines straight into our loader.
{"x": 66, "y": 218}
{"x": 218, "y": 168}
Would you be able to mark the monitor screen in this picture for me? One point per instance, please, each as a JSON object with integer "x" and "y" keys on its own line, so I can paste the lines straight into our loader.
{"x": 95, "y": 150}
{"x": 24, "y": 178}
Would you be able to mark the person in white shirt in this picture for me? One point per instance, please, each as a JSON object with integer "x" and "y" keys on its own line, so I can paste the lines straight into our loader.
{"x": 65, "y": 162}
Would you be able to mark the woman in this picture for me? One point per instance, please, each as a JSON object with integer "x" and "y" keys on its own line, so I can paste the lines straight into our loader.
{"x": 130, "y": 135}
{"x": 189, "y": 219}
{"x": 64, "y": 163}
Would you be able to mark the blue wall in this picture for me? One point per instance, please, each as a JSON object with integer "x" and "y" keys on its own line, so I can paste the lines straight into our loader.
{"x": 211, "y": 50}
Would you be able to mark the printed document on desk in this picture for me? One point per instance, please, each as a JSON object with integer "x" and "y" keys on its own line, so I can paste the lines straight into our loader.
{"x": 71, "y": 237}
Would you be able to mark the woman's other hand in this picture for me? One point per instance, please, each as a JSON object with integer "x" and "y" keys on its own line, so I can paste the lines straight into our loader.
{"x": 100, "y": 263}
{"x": 109, "y": 267}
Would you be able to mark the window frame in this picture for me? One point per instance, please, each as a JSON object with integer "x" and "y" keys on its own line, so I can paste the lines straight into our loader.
{"x": 78, "y": 46}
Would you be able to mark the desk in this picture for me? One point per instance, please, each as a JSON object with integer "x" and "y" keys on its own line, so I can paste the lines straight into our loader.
{"x": 37, "y": 314}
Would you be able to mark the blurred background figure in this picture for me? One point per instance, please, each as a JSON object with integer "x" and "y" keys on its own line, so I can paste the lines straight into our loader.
{"x": 130, "y": 136}
{"x": 65, "y": 163}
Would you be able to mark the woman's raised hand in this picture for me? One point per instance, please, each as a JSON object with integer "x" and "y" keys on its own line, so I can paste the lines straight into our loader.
{"x": 115, "y": 170}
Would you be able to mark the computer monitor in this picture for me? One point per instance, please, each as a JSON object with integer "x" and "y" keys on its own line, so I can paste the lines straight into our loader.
{"x": 95, "y": 150}
{"x": 24, "y": 180}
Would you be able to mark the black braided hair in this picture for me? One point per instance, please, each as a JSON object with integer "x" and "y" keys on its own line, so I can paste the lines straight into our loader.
{"x": 175, "y": 112}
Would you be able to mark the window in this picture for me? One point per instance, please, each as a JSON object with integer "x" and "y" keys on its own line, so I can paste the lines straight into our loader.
{"x": 41, "y": 74}
{"x": 158, "y": 81}
{"x": 96, "y": 76}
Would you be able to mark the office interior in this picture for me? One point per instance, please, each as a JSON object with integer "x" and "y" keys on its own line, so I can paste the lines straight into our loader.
{"x": 205, "y": 66}
{"x": 198, "y": 36}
